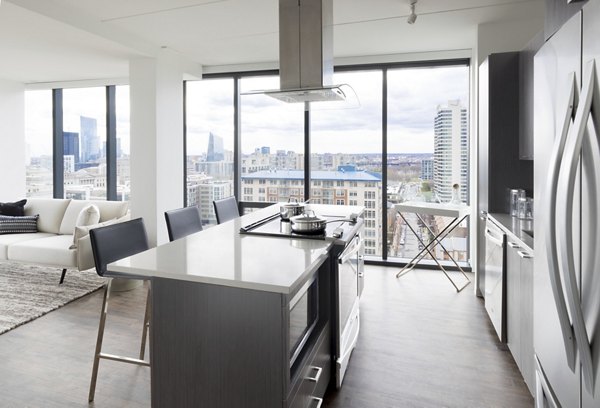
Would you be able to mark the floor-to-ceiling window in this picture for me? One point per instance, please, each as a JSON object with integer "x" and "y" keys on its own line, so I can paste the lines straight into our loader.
{"x": 346, "y": 153}
{"x": 272, "y": 144}
{"x": 67, "y": 143}
{"x": 84, "y": 139}
{"x": 209, "y": 144}
{"x": 38, "y": 140}
{"x": 428, "y": 152}
{"x": 407, "y": 140}
{"x": 123, "y": 142}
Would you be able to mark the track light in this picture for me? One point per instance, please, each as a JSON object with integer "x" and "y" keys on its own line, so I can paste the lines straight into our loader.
{"x": 412, "y": 17}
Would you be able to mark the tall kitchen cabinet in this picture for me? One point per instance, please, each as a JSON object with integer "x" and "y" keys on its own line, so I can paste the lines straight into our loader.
{"x": 500, "y": 168}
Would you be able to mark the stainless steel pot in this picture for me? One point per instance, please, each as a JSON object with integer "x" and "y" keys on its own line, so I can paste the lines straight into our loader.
{"x": 308, "y": 224}
{"x": 291, "y": 209}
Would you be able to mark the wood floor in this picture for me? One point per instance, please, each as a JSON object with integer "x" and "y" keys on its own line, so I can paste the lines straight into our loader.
{"x": 421, "y": 345}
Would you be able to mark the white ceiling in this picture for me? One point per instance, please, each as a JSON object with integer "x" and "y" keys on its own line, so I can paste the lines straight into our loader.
{"x": 62, "y": 40}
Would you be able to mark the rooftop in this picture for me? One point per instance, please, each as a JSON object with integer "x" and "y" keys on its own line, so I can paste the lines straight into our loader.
{"x": 315, "y": 175}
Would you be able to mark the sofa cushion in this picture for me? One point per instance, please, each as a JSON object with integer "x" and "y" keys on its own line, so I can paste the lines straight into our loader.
{"x": 9, "y": 239}
{"x": 90, "y": 215}
{"x": 15, "y": 209}
{"x": 112, "y": 209}
{"x": 83, "y": 230}
{"x": 108, "y": 210}
{"x": 53, "y": 250}
{"x": 51, "y": 211}
{"x": 18, "y": 225}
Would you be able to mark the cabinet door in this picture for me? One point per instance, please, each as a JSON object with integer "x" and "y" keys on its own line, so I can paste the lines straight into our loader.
{"x": 527, "y": 353}
{"x": 526, "y": 96}
{"x": 513, "y": 300}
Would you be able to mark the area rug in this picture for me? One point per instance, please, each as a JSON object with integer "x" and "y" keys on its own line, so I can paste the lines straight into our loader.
{"x": 30, "y": 291}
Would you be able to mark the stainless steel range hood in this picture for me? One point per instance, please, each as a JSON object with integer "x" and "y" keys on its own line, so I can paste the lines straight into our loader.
{"x": 306, "y": 54}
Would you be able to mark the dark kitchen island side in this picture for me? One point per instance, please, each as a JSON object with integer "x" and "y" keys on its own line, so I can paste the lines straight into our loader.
{"x": 220, "y": 321}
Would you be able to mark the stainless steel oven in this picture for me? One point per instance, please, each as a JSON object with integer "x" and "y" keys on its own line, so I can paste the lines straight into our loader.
{"x": 350, "y": 266}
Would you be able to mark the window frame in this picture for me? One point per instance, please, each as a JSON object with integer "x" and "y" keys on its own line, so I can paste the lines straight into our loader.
{"x": 309, "y": 183}
{"x": 58, "y": 178}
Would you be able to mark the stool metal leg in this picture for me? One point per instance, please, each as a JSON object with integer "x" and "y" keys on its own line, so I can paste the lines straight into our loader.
{"x": 99, "y": 340}
{"x": 98, "y": 353}
{"x": 146, "y": 327}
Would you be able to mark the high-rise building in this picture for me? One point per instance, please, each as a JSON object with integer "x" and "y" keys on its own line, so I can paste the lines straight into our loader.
{"x": 450, "y": 154}
{"x": 71, "y": 145}
{"x": 215, "y": 150}
{"x": 89, "y": 141}
{"x": 426, "y": 169}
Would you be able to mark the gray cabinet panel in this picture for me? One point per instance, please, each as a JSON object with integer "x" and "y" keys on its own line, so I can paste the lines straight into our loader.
{"x": 499, "y": 166}
{"x": 519, "y": 271}
{"x": 527, "y": 352}
{"x": 513, "y": 300}
{"x": 217, "y": 344}
{"x": 526, "y": 96}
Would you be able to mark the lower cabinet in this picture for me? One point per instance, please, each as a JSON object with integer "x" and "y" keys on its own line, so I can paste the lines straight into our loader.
{"x": 315, "y": 374}
{"x": 519, "y": 299}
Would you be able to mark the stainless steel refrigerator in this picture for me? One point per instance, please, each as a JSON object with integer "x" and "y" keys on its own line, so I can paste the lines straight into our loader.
{"x": 567, "y": 226}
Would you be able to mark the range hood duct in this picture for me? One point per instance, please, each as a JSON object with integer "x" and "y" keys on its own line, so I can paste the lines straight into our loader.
{"x": 306, "y": 54}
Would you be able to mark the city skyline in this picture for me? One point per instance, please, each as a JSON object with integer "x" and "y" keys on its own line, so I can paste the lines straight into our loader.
{"x": 414, "y": 94}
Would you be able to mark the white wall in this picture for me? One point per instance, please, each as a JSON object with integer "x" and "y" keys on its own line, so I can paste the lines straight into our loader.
{"x": 12, "y": 140}
{"x": 505, "y": 36}
{"x": 156, "y": 98}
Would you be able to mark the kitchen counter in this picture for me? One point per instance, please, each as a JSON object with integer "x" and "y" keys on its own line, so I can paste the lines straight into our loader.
{"x": 227, "y": 310}
{"x": 514, "y": 227}
{"x": 221, "y": 255}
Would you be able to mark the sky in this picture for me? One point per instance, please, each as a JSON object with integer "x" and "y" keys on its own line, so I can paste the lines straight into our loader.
{"x": 89, "y": 102}
{"x": 413, "y": 97}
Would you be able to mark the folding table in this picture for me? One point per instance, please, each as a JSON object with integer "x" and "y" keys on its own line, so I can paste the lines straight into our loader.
{"x": 458, "y": 213}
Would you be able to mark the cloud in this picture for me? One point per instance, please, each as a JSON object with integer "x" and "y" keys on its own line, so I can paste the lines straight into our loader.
{"x": 413, "y": 97}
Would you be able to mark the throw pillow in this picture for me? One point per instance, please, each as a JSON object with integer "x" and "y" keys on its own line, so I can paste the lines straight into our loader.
{"x": 89, "y": 215}
{"x": 16, "y": 209}
{"x": 18, "y": 225}
{"x": 83, "y": 231}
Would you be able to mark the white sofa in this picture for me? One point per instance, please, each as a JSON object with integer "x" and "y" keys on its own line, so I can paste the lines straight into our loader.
{"x": 56, "y": 225}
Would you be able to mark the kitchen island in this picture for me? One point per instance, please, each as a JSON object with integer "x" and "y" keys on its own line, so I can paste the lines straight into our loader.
{"x": 221, "y": 322}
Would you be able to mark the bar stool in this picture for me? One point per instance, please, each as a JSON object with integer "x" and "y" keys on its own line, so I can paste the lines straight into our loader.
{"x": 226, "y": 209}
{"x": 110, "y": 244}
{"x": 183, "y": 222}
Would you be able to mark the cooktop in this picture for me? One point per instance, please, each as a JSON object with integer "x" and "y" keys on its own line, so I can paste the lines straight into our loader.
{"x": 337, "y": 228}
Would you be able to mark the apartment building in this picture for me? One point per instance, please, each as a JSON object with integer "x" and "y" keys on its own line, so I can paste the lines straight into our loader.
{"x": 344, "y": 186}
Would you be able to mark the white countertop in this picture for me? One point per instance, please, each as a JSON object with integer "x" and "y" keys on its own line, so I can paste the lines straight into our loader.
{"x": 221, "y": 255}
{"x": 441, "y": 209}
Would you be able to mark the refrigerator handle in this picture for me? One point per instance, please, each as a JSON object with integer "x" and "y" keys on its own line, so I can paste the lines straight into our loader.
{"x": 550, "y": 222}
{"x": 568, "y": 179}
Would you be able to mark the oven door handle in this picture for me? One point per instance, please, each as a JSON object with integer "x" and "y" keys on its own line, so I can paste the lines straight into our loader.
{"x": 493, "y": 239}
{"x": 354, "y": 248}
